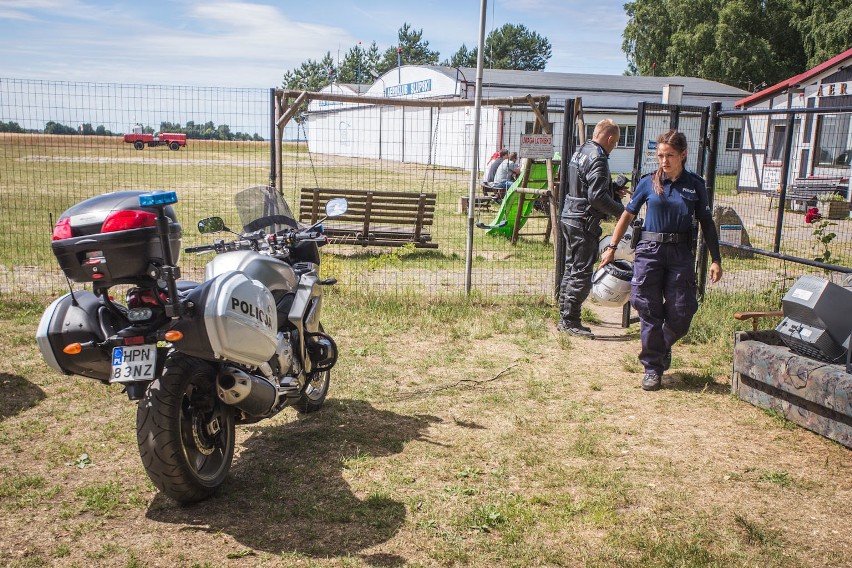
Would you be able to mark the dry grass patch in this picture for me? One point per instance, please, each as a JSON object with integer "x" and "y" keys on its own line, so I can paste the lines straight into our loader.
{"x": 457, "y": 433}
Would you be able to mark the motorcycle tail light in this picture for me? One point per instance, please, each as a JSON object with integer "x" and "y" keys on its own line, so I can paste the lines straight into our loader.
{"x": 128, "y": 219}
{"x": 139, "y": 314}
{"x": 135, "y": 340}
{"x": 62, "y": 229}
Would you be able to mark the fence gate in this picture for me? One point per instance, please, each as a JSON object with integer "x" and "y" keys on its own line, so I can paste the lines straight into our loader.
{"x": 653, "y": 119}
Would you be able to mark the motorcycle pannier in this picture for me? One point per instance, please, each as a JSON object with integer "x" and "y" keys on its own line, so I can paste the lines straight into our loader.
{"x": 77, "y": 318}
{"x": 240, "y": 322}
{"x": 110, "y": 239}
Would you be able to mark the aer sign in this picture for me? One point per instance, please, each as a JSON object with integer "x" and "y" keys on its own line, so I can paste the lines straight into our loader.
{"x": 536, "y": 146}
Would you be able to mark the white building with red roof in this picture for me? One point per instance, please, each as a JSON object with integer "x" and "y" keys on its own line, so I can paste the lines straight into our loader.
{"x": 822, "y": 141}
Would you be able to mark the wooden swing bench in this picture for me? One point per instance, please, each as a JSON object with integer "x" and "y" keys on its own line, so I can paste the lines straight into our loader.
{"x": 374, "y": 218}
{"x": 807, "y": 190}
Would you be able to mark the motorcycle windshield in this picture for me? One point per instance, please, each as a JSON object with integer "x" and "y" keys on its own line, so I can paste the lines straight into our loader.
{"x": 262, "y": 207}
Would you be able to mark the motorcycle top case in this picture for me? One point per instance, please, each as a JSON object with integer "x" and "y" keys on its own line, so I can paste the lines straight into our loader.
{"x": 239, "y": 322}
{"x": 111, "y": 239}
{"x": 77, "y": 319}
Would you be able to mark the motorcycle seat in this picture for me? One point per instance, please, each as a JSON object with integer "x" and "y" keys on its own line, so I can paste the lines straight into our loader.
{"x": 185, "y": 286}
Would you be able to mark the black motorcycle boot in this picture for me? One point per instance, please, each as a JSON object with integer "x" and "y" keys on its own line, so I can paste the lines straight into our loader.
{"x": 575, "y": 328}
{"x": 571, "y": 323}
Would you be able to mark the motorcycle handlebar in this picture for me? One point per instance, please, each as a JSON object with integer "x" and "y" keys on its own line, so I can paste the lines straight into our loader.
{"x": 199, "y": 248}
{"x": 308, "y": 236}
{"x": 249, "y": 241}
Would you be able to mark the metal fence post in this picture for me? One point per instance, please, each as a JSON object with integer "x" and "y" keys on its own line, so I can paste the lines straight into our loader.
{"x": 566, "y": 152}
{"x": 785, "y": 174}
{"x": 639, "y": 144}
{"x": 272, "y": 135}
{"x": 710, "y": 183}
{"x": 674, "y": 117}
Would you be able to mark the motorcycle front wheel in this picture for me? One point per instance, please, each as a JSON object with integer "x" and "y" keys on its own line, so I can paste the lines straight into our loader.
{"x": 313, "y": 397}
{"x": 185, "y": 433}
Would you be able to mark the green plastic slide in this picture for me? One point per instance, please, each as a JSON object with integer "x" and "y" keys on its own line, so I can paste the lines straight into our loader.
{"x": 509, "y": 207}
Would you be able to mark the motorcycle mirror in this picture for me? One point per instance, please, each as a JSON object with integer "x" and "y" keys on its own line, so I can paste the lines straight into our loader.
{"x": 336, "y": 207}
{"x": 211, "y": 225}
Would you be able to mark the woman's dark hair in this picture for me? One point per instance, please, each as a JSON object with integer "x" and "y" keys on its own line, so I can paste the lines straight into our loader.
{"x": 676, "y": 140}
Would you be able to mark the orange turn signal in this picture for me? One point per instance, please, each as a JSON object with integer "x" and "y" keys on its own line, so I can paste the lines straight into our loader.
{"x": 173, "y": 335}
{"x": 72, "y": 348}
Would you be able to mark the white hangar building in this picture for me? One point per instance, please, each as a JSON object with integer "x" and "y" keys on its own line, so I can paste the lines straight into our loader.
{"x": 444, "y": 136}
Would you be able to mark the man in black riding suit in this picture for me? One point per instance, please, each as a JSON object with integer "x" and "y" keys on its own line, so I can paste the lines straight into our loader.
{"x": 591, "y": 198}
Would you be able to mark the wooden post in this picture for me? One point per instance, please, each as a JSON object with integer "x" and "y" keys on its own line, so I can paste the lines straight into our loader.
{"x": 552, "y": 201}
{"x": 518, "y": 215}
{"x": 581, "y": 124}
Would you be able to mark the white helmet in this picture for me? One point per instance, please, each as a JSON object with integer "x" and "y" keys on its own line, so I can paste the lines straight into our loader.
{"x": 625, "y": 250}
{"x": 611, "y": 284}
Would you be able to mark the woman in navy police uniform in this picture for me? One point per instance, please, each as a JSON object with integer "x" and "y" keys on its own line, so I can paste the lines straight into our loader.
{"x": 663, "y": 290}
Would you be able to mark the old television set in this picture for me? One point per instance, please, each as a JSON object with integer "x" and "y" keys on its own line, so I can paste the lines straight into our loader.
{"x": 817, "y": 319}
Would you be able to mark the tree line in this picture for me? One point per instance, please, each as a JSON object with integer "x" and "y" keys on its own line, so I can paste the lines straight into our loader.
{"x": 744, "y": 43}
{"x": 749, "y": 44}
{"x": 52, "y": 127}
{"x": 509, "y": 47}
{"x": 206, "y": 131}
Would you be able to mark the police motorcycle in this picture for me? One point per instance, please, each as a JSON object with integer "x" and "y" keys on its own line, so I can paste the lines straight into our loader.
{"x": 198, "y": 358}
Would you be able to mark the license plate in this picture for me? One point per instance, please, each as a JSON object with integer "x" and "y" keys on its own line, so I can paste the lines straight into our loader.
{"x": 133, "y": 363}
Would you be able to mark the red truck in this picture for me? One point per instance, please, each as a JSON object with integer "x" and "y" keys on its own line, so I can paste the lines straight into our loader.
{"x": 140, "y": 139}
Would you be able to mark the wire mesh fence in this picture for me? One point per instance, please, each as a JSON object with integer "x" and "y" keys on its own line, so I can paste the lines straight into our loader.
{"x": 385, "y": 149}
{"x": 786, "y": 210}
{"x": 61, "y": 142}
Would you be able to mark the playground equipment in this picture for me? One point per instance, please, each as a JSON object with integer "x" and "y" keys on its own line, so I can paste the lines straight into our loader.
{"x": 532, "y": 190}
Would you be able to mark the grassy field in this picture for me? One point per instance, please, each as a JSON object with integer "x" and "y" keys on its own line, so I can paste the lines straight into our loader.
{"x": 457, "y": 433}
{"x": 44, "y": 175}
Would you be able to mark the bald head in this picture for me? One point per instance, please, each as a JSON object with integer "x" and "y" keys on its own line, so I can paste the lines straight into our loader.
{"x": 606, "y": 134}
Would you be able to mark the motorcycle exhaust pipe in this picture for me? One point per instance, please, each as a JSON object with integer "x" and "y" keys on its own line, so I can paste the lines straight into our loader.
{"x": 252, "y": 394}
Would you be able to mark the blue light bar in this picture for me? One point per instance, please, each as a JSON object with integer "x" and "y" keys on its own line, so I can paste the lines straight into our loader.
{"x": 157, "y": 198}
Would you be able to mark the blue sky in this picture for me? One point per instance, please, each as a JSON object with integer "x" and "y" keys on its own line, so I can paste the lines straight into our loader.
{"x": 252, "y": 43}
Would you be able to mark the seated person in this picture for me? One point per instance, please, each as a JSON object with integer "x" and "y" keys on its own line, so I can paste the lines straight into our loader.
{"x": 507, "y": 172}
{"x": 491, "y": 168}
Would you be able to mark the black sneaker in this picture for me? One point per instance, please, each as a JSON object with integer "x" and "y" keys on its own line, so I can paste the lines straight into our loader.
{"x": 651, "y": 382}
{"x": 575, "y": 329}
{"x": 667, "y": 360}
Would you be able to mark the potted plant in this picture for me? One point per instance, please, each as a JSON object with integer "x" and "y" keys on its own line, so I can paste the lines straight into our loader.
{"x": 833, "y": 206}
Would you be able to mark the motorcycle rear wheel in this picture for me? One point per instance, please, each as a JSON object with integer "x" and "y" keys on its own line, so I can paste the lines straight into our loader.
{"x": 185, "y": 433}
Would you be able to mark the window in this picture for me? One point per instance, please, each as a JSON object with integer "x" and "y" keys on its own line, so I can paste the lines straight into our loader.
{"x": 627, "y": 136}
{"x": 626, "y": 139}
{"x": 833, "y": 140}
{"x": 776, "y": 142}
{"x": 733, "y": 141}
